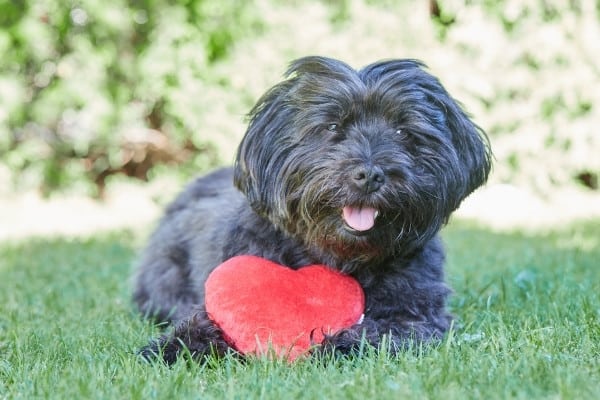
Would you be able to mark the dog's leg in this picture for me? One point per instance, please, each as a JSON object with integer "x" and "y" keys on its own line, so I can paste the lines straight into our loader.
{"x": 407, "y": 306}
{"x": 395, "y": 334}
{"x": 196, "y": 335}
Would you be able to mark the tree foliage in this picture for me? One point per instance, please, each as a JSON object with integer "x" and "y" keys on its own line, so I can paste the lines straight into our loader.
{"x": 89, "y": 89}
{"x": 93, "y": 88}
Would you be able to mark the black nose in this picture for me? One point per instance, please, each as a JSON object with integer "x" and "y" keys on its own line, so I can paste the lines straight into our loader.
{"x": 368, "y": 178}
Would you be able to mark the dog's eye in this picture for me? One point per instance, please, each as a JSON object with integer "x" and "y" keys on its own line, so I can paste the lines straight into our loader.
{"x": 332, "y": 128}
{"x": 400, "y": 133}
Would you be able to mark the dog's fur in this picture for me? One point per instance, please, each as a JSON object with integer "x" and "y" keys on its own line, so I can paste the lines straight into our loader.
{"x": 387, "y": 137}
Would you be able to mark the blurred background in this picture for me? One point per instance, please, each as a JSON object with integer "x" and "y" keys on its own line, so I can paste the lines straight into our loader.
{"x": 107, "y": 107}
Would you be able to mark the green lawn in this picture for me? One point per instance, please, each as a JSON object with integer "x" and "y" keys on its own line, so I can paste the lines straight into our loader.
{"x": 528, "y": 326}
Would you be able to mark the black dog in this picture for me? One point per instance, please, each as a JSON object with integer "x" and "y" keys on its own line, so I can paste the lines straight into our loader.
{"x": 357, "y": 170}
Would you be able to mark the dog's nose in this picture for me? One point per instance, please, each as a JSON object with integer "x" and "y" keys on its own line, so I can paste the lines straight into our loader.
{"x": 368, "y": 178}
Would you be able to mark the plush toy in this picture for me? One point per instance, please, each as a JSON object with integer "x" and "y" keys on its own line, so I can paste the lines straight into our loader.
{"x": 262, "y": 306}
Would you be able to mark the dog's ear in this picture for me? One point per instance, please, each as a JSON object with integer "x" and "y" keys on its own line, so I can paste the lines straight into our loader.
{"x": 262, "y": 151}
{"x": 468, "y": 151}
{"x": 471, "y": 144}
{"x": 261, "y": 168}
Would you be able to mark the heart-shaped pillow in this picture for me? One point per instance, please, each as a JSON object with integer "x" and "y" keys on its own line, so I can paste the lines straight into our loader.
{"x": 262, "y": 306}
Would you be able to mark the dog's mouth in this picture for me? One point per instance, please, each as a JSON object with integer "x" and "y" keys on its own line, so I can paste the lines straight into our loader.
{"x": 359, "y": 220}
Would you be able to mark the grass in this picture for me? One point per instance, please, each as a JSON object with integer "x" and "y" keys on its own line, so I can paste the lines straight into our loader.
{"x": 528, "y": 326}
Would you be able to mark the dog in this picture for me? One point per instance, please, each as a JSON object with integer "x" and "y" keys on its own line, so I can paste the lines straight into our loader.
{"x": 354, "y": 169}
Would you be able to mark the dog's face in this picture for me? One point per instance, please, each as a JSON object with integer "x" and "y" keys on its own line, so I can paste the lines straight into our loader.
{"x": 362, "y": 164}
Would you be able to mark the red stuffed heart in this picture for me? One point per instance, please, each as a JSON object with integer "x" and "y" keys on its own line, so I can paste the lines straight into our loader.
{"x": 260, "y": 305}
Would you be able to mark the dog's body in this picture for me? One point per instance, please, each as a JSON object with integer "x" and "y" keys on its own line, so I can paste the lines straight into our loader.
{"x": 357, "y": 170}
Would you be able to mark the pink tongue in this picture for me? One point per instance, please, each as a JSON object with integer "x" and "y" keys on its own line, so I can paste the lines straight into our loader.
{"x": 360, "y": 219}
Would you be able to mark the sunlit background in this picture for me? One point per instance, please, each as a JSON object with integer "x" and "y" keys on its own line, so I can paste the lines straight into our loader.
{"x": 107, "y": 107}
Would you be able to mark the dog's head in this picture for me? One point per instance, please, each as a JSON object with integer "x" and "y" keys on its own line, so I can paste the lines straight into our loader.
{"x": 364, "y": 163}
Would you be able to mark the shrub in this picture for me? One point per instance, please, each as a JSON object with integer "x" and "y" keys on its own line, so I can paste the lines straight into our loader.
{"x": 91, "y": 88}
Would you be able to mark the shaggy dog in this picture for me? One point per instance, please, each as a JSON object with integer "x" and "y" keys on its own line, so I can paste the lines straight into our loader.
{"x": 357, "y": 170}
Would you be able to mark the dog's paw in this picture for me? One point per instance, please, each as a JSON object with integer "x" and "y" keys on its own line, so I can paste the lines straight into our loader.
{"x": 344, "y": 343}
{"x": 163, "y": 349}
{"x": 196, "y": 337}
